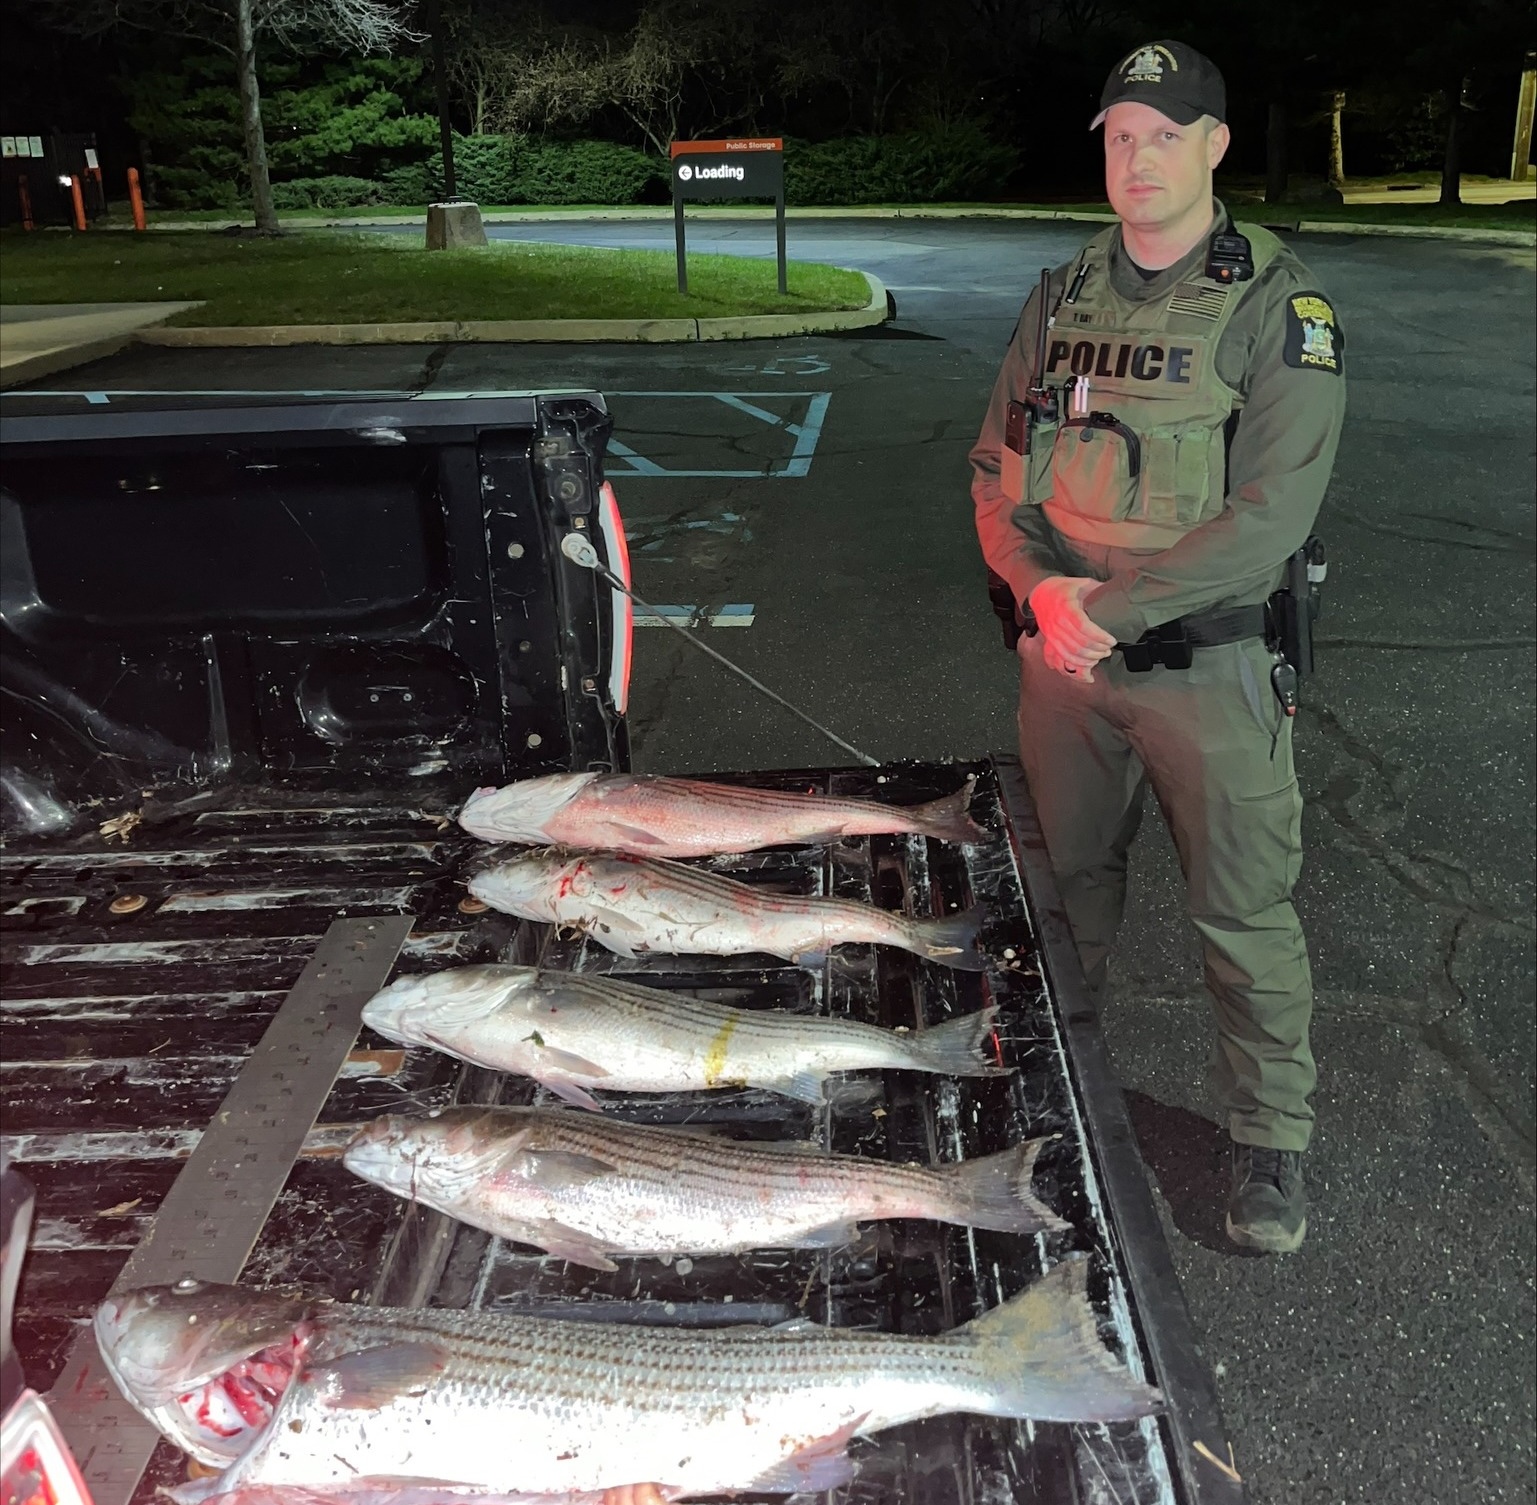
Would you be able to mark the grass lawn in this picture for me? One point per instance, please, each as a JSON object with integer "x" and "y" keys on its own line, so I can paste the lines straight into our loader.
{"x": 334, "y": 278}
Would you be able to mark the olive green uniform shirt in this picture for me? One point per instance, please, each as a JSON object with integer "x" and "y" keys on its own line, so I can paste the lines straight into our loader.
{"x": 1278, "y": 464}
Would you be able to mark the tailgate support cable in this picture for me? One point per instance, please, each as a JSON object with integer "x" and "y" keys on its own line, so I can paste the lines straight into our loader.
{"x": 579, "y": 550}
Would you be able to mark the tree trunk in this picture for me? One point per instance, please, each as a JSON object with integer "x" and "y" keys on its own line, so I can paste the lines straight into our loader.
{"x": 440, "y": 83}
{"x": 251, "y": 119}
{"x": 1451, "y": 165}
{"x": 1337, "y": 140}
{"x": 1275, "y": 152}
{"x": 1526, "y": 106}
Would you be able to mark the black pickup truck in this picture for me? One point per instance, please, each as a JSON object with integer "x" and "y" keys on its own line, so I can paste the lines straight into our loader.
{"x": 256, "y": 651}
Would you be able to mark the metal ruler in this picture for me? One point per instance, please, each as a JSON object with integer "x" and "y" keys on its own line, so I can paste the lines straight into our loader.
{"x": 216, "y": 1208}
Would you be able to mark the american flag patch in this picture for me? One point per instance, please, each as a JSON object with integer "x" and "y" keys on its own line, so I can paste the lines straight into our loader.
{"x": 1202, "y": 302}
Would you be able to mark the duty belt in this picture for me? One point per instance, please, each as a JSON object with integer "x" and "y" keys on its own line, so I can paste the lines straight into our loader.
{"x": 1171, "y": 643}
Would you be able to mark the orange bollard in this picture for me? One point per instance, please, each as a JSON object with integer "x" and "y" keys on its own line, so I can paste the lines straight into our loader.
{"x": 74, "y": 193}
{"x": 135, "y": 198}
{"x": 24, "y": 193}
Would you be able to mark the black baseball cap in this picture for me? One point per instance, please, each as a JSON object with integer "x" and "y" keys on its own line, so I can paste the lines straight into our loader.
{"x": 1175, "y": 79}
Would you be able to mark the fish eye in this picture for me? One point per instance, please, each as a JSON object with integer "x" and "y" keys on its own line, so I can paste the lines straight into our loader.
{"x": 187, "y": 1285}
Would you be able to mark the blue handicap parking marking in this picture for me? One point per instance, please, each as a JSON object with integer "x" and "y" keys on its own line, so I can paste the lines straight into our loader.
{"x": 649, "y": 453}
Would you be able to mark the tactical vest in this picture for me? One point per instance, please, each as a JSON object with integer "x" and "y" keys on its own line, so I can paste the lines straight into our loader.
{"x": 1138, "y": 455}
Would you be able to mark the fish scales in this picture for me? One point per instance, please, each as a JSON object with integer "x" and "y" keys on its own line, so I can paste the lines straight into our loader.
{"x": 570, "y": 1382}
{"x": 585, "y": 1188}
{"x": 575, "y": 1032}
{"x": 712, "y": 888}
{"x": 638, "y": 906}
{"x": 706, "y": 1157}
{"x": 495, "y": 1401}
{"x": 658, "y": 816}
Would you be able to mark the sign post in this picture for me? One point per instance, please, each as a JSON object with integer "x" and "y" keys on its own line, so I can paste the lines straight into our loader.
{"x": 739, "y": 169}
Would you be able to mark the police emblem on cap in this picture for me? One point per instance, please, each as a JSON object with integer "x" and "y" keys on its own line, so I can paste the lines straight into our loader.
{"x": 1146, "y": 65}
{"x": 1175, "y": 79}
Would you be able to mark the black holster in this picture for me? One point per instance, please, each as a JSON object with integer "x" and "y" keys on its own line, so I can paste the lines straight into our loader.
{"x": 1001, "y": 598}
{"x": 1294, "y": 608}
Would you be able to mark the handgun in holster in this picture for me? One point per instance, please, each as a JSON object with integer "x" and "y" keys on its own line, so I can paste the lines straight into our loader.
{"x": 1297, "y": 605}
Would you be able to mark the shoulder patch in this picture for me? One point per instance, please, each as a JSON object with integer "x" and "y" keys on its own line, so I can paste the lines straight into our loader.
{"x": 1314, "y": 339}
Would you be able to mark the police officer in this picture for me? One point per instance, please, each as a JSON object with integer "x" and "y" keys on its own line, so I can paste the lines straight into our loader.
{"x": 1148, "y": 464}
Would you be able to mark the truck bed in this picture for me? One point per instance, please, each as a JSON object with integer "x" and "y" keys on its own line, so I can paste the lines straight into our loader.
{"x": 125, "y": 1024}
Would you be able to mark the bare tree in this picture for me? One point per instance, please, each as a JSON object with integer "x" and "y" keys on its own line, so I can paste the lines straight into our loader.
{"x": 864, "y": 53}
{"x": 233, "y": 27}
{"x": 505, "y": 64}
{"x": 648, "y": 75}
{"x": 677, "y": 65}
{"x": 484, "y": 69}
{"x": 553, "y": 81}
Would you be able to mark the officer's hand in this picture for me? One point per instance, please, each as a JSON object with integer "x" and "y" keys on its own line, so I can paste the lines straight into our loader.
{"x": 1075, "y": 670}
{"x": 1073, "y": 643}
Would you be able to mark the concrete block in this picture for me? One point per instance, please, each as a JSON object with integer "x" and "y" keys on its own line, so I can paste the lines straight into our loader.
{"x": 450, "y": 226}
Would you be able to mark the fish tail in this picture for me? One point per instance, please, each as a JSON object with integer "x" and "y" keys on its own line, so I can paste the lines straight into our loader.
{"x": 1040, "y": 1355}
{"x": 952, "y": 939}
{"x": 958, "y": 1047}
{"x": 947, "y": 819}
{"x": 994, "y": 1192}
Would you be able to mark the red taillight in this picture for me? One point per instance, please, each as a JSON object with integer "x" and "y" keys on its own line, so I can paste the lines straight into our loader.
{"x": 35, "y": 1466}
{"x": 611, "y": 526}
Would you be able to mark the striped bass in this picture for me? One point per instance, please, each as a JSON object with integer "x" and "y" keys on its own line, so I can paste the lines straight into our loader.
{"x": 577, "y": 1032}
{"x": 383, "y": 1406}
{"x": 583, "y": 1188}
{"x": 652, "y": 816}
{"x": 639, "y": 907}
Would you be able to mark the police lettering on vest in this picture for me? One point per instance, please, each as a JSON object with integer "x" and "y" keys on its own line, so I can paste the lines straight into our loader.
{"x": 1138, "y": 456}
{"x": 1118, "y": 359}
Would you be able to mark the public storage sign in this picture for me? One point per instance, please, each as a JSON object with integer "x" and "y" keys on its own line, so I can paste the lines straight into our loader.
{"x": 748, "y": 168}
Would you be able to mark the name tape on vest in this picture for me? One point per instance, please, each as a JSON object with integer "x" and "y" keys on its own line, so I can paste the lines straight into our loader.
{"x": 1122, "y": 360}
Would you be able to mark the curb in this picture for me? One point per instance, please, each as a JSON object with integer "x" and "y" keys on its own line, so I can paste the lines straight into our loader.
{"x": 45, "y": 339}
{"x": 51, "y": 362}
{"x": 1469, "y": 236}
{"x": 1526, "y": 238}
{"x": 534, "y": 331}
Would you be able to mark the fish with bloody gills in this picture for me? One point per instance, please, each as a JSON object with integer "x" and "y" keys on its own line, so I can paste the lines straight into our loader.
{"x": 386, "y": 1406}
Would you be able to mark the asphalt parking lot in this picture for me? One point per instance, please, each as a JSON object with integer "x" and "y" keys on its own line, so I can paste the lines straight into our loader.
{"x": 806, "y": 500}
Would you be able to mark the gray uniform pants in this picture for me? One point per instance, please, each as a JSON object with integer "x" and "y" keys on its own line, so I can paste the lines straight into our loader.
{"x": 1212, "y": 742}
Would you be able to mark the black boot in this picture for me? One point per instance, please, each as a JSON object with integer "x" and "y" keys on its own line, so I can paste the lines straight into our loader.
{"x": 1267, "y": 1208}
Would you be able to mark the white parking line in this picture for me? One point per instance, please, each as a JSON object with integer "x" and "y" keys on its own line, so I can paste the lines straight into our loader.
{"x": 739, "y": 615}
{"x": 805, "y": 433}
